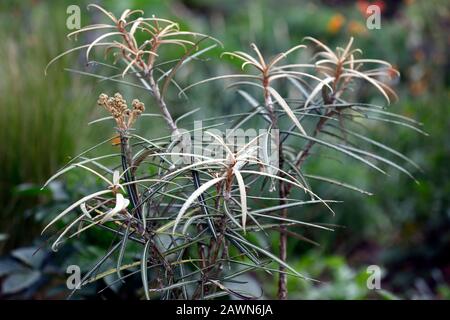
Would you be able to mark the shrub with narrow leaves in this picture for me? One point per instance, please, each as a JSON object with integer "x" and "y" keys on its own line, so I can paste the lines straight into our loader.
{"x": 194, "y": 220}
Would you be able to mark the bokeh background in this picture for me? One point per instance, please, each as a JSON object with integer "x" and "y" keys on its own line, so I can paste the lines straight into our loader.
{"x": 404, "y": 227}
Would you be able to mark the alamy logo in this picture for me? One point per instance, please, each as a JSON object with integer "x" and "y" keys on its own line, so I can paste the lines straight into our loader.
{"x": 374, "y": 279}
{"x": 373, "y": 20}
{"x": 73, "y": 21}
{"x": 74, "y": 279}
{"x": 198, "y": 144}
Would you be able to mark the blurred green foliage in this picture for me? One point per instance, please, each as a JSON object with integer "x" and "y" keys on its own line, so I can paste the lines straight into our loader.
{"x": 41, "y": 117}
{"x": 404, "y": 227}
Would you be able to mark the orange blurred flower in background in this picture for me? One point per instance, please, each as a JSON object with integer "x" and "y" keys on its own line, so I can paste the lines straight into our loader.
{"x": 356, "y": 28}
{"x": 335, "y": 23}
{"x": 363, "y": 5}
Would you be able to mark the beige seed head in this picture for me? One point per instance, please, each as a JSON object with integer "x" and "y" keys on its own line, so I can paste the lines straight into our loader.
{"x": 102, "y": 99}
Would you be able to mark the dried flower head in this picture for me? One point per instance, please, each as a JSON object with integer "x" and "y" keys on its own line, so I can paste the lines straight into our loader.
{"x": 119, "y": 110}
{"x": 138, "y": 109}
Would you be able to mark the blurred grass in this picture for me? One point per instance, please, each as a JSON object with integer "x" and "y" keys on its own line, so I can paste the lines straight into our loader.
{"x": 42, "y": 117}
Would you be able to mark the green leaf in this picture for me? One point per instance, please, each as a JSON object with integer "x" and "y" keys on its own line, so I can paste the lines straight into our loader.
{"x": 272, "y": 256}
{"x": 144, "y": 269}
